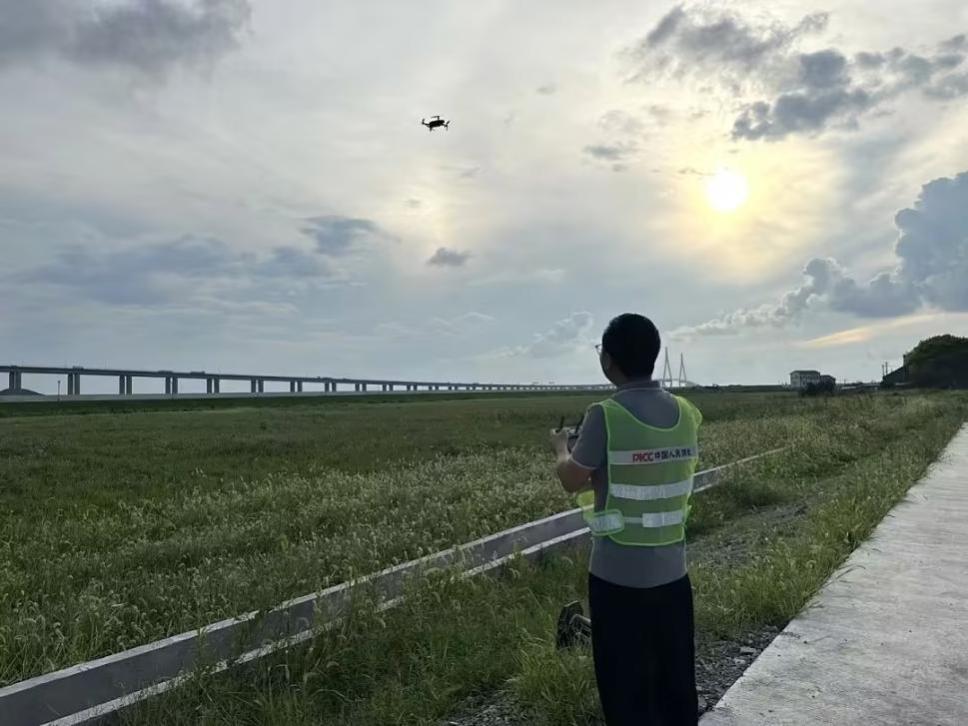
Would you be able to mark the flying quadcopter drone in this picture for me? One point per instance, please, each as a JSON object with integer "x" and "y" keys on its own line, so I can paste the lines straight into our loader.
{"x": 435, "y": 122}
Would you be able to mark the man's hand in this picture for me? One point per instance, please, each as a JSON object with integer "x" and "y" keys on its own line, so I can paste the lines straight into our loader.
{"x": 574, "y": 477}
{"x": 559, "y": 441}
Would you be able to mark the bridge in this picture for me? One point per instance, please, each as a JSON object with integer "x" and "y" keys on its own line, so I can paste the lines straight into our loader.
{"x": 297, "y": 384}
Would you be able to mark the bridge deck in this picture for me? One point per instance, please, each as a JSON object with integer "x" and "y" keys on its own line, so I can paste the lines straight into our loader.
{"x": 885, "y": 641}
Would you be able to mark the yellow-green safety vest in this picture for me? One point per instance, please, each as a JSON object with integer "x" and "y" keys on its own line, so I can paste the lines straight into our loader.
{"x": 650, "y": 473}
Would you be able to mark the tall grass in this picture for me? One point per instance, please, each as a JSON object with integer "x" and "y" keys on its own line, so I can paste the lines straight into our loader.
{"x": 118, "y": 529}
{"x": 451, "y": 640}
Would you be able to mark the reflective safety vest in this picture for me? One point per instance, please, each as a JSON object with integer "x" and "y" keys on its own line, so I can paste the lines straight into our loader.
{"x": 650, "y": 474}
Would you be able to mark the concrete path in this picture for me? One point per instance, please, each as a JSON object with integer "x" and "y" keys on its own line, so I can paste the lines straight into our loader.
{"x": 886, "y": 639}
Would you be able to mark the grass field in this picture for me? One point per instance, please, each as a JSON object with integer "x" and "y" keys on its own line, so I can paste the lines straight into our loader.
{"x": 120, "y": 528}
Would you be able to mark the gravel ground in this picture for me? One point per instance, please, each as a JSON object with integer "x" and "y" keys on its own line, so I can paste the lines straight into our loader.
{"x": 719, "y": 664}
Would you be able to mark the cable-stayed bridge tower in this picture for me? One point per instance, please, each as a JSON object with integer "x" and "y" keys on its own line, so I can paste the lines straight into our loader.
{"x": 681, "y": 380}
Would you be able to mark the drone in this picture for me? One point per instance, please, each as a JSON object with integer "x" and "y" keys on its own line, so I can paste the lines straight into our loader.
{"x": 434, "y": 123}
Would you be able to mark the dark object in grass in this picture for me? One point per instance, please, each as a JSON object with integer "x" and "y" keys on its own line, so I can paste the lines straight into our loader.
{"x": 574, "y": 628}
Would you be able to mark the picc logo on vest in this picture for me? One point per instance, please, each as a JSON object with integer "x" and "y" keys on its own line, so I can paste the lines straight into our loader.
{"x": 654, "y": 456}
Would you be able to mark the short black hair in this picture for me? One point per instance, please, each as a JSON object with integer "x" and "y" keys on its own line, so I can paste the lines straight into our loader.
{"x": 633, "y": 343}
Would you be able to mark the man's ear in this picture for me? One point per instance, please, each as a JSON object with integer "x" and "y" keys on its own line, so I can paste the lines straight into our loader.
{"x": 606, "y": 362}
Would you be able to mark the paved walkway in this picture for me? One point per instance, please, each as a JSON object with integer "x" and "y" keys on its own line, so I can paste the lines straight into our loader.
{"x": 886, "y": 640}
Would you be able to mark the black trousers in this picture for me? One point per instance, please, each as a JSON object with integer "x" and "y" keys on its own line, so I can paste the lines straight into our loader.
{"x": 642, "y": 640}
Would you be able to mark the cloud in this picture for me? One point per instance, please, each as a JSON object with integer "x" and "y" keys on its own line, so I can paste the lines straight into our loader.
{"x": 783, "y": 90}
{"x": 931, "y": 269}
{"x": 606, "y": 152}
{"x": 458, "y": 326}
{"x": 864, "y": 333}
{"x": 958, "y": 42}
{"x": 628, "y": 128}
{"x": 172, "y": 271}
{"x": 829, "y": 89}
{"x": 521, "y": 276}
{"x": 617, "y": 154}
{"x": 335, "y": 235}
{"x": 292, "y": 262}
{"x": 565, "y": 336}
{"x": 445, "y": 257}
{"x": 661, "y": 114}
{"x": 148, "y": 36}
{"x": 801, "y": 112}
{"x": 685, "y": 41}
{"x": 620, "y": 122}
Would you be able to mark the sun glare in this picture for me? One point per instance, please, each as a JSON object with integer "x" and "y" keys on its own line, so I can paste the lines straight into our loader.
{"x": 727, "y": 190}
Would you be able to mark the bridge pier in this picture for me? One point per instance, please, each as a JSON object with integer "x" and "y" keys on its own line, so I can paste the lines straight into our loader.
{"x": 262, "y": 386}
{"x": 292, "y": 386}
{"x": 16, "y": 382}
{"x": 299, "y": 386}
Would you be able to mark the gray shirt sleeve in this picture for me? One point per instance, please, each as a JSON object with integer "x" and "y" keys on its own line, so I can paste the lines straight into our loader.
{"x": 590, "y": 449}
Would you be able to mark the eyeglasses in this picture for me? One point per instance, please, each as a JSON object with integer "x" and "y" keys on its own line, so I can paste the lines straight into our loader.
{"x": 598, "y": 348}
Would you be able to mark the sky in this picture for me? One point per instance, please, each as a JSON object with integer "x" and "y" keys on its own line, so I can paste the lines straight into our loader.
{"x": 246, "y": 186}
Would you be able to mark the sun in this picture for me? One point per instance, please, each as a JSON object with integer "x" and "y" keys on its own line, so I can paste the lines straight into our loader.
{"x": 727, "y": 190}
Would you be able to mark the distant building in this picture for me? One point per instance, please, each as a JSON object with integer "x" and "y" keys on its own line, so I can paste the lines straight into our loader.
{"x": 801, "y": 379}
{"x": 897, "y": 377}
{"x": 826, "y": 380}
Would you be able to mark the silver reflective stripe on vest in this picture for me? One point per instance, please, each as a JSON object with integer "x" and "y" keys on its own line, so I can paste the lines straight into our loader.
{"x": 658, "y": 519}
{"x": 610, "y": 522}
{"x": 652, "y": 456}
{"x": 647, "y": 492}
{"x": 614, "y": 521}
